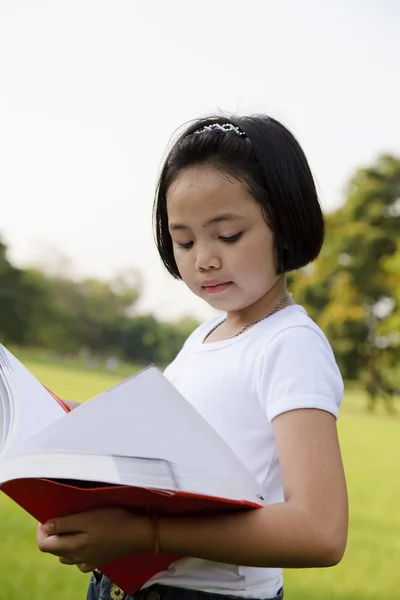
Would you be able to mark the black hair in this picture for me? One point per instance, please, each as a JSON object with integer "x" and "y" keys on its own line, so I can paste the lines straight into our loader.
{"x": 270, "y": 163}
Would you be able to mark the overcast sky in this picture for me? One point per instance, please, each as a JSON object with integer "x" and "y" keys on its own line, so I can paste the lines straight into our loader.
{"x": 91, "y": 91}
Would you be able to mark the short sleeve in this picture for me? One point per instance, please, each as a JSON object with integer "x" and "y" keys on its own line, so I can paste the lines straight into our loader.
{"x": 298, "y": 370}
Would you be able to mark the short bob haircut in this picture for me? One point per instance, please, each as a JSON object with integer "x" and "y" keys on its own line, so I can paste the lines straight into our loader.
{"x": 270, "y": 163}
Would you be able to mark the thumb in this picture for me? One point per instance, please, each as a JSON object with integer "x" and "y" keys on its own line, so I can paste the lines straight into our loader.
{"x": 62, "y": 525}
{"x": 41, "y": 534}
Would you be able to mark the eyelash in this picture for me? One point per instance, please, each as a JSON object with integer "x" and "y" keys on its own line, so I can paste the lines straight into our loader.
{"x": 227, "y": 240}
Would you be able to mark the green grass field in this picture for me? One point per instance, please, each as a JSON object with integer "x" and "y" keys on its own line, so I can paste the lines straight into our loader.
{"x": 370, "y": 569}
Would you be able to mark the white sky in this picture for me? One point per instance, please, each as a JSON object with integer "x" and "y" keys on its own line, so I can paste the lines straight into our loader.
{"x": 91, "y": 91}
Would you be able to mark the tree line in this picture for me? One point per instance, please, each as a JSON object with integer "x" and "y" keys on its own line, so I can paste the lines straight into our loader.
{"x": 352, "y": 291}
{"x": 67, "y": 316}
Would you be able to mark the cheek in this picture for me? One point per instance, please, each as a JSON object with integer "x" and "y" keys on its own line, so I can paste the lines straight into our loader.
{"x": 257, "y": 258}
{"x": 183, "y": 262}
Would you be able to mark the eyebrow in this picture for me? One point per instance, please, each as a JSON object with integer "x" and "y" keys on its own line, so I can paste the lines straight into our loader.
{"x": 218, "y": 219}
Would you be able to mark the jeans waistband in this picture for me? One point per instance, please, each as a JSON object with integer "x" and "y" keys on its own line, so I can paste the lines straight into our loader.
{"x": 101, "y": 588}
{"x": 163, "y": 592}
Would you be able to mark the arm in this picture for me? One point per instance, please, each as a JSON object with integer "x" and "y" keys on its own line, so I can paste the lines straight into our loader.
{"x": 308, "y": 529}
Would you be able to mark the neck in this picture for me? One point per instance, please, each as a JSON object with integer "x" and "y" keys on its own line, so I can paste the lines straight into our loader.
{"x": 262, "y": 307}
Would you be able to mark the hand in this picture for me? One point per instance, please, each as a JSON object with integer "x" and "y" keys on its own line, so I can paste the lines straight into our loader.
{"x": 93, "y": 538}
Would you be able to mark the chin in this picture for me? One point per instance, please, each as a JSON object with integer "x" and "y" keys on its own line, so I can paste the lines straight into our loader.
{"x": 224, "y": 306}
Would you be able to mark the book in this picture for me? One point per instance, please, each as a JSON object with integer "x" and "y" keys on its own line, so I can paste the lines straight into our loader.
{"x": 139, "y": 445}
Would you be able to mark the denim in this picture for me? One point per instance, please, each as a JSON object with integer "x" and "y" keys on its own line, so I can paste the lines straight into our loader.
{"x": 101, "y": 588}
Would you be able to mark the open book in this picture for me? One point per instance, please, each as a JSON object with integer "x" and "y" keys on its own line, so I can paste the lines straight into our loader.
{"x": 139, "y": 445}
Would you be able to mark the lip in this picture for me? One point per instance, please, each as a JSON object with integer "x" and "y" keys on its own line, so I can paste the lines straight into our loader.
{"x": 213, "y": 283}
{"x": 215, "y": 287}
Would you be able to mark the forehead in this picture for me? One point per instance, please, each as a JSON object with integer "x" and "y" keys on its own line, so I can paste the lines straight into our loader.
{"x": 201, "y": 193}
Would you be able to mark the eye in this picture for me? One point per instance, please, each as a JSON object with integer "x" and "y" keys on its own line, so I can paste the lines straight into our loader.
{"x": 232, "y": 238}
{"x": 186, "y": 246}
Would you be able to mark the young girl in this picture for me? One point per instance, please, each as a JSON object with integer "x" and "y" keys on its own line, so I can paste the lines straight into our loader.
{"x": 236, "y": 208}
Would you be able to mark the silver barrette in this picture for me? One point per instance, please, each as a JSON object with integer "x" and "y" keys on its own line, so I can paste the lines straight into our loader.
{"x": 224, "y": 127}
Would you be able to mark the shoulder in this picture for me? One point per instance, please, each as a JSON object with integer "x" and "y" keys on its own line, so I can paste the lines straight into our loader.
{"x": 297, "y": 367}
{"x": 292, "y": 326}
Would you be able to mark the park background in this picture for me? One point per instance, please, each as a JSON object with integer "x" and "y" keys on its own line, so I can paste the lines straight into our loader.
{"x": 91, "y": 92}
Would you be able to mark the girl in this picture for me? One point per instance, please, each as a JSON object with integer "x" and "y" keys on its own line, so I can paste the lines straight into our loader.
{"x": 235, "y": 210}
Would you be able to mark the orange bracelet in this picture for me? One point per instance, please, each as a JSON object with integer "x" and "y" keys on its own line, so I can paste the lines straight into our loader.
{"x": 156, "y": 528}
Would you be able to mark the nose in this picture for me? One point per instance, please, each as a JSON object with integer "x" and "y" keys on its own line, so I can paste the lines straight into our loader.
{"x": 206, "y": 258}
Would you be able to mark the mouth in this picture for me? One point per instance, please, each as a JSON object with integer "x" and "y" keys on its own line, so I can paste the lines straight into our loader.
{"x": 216, "y": 288}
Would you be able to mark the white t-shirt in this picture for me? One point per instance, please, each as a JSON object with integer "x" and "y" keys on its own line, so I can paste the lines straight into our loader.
{"x": 239, "y": 385}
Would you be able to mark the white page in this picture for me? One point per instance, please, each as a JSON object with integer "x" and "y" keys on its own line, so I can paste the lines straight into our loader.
{"x": 7, "y": 393}
{"x": 89, "y": 468}
{"x": 4, "y": 412}
{"x": 144, "y": 417}
{"x": 146, "y": 473}
{"x": 34, "y": 407}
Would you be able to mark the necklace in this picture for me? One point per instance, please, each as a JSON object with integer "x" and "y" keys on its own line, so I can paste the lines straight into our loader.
{"x": 273, "y": 311}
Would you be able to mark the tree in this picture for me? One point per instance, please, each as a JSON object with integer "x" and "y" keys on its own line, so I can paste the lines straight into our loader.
{"x": 88, "y": 308}
{"x": 45, "y": 309}
{"x": 353, "y": 289}
{"x": 20, "y": 297}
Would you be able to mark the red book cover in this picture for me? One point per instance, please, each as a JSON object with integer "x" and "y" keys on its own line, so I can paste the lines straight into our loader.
{"x": 139, "y": 445}
{"x": 46, "y": 499}
{"x": 57, "y": 399}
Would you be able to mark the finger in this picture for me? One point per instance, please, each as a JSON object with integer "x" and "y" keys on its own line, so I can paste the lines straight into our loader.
{"x": 72, "y": 404}
{"x": 41, "y": 535}
{"x": 86, "y": 567}
{"x": 66, "y": 561}
{"x": 71, "y": 524}
{"x": 61, "y": 545}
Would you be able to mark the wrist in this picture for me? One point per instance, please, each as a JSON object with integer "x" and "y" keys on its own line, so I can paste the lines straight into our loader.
{"x": 139, "y": 534}
{"x": 156, "y": 533}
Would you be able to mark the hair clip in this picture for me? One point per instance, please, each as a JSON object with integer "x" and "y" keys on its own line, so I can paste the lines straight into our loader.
{"x": 224, "y": 127}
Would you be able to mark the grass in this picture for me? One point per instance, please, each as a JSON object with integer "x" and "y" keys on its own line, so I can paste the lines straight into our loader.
{"x": 371, "y": 450}
{"x": 369, "y": 570}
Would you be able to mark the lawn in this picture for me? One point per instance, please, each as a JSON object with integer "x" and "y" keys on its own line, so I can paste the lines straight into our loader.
{"x": 370, "y": 569}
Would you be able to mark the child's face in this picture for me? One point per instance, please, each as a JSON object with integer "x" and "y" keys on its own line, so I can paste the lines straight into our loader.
{"x": 245, "y": 266}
